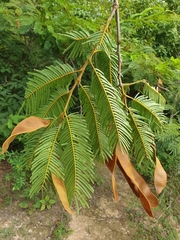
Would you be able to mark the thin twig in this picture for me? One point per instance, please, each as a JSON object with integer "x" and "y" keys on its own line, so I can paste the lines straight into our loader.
{"x": 165, "y": 89}
{"x": 80, "y": 105}
{"x": 114, "y": 9}
{"x": 173, "y": 115}
{"x": 83, "y": 68}
{"x": 118, "y": 42}
{"x": 5, "y": 81}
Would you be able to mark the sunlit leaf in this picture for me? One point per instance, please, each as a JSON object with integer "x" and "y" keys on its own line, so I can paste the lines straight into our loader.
{"x": 160, "y": 177}
{"x": 61, "y": 190}
{"x": 27, "y": 125}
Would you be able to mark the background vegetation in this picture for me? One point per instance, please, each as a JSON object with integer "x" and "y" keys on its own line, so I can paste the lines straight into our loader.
{"x": 32, "y": 37}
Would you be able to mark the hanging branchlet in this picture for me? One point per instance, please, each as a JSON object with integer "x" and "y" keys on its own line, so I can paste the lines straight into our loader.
{"x": 64, "y": 145}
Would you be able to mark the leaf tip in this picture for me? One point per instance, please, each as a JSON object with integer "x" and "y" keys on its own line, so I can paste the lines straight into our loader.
{"x": 160, "y": 177}
{"x": 61, "y": 190}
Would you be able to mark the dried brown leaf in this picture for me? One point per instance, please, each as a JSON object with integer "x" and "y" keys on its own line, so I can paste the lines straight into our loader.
{"x": 27, "y": 125}
{"x": 160, "y": 177}
{"x": 111, "y": 163}
{"x": 144, "y": 188}
{"x": 61, "y": 190}
{"x": 131, "y": 184}
{"x": 136, "y": 182}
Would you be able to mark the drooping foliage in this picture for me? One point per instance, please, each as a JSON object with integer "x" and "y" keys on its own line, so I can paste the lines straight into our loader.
{"x": 88, "y": 120}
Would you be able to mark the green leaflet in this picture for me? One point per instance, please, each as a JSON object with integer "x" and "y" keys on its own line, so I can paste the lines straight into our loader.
{"x": 99, "y": 140}
{"x": 30, "y": 145}
{"x": 107, "y": 65}
{"x": 44, "y": 83}
{"x": 153, "y": 94}
{"x": 76, "y": 47}
{"x": 143, "y": 144}
{"x": 84, "y": 40}
{"x": 151, "y": 111}
{"x": 77, "y": 158}
{"x": 103, "y": 41}
{"x": 113, "y": 114}
{"x": 56, "y": 104}
{"x": 46, "y": 160}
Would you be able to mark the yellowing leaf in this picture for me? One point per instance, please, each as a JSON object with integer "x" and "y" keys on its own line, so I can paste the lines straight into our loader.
{"x": 27, "y": 125}
{"x": 111, "y": 165}
{"x": 61, "y": 190}
{"x": 160, "y": 177}
{"x": 136, "y": 182}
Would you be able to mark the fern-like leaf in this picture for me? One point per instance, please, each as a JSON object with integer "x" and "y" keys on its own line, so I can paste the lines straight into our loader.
{"x": 30, "y": 144}
{"x": 103, "y": 42}
{"x": 153, "y": 94}
{"x": 143, "y": 138}
{"x": 151, "y": 111}
{"x": 108, "y": 65}
{"x": 55, "y": 105}
{"x": 76, "y": 47}
{"x": 112, "y": 111}
{"x": 46, "y": 160}
{"x": 99, "y": 140}
{"x": 171, "y": 132}
{"x": 44, "y": 82}
{"x": 77, "y": 159}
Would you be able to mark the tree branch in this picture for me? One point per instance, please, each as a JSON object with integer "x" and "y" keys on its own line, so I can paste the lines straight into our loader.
{"x": 118, "y": 42}
{"x": 78, "y": 80}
